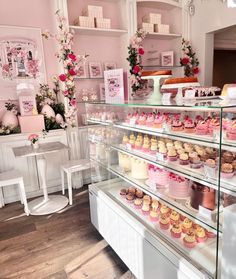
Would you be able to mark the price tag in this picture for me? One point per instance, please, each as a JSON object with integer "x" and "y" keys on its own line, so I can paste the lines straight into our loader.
{"x": 166, "y": 127}
{"x": 189, "y": 94}
{"x": 160, "y": 157}
{"x": 132, "y": 121}
{"x": 209, "y": 172}
{"x": 206, "y": 213}
{"x": 166, "y": 97}
{"x": 128, "y": 147}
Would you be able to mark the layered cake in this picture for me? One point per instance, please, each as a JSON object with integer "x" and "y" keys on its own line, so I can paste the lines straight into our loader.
{"x": 124, "y": 161}
{"x": 202, "y": 195}
{"x": 157, "y": 176}
{"x": 139, "y": 169}
{"x": 178, "y": 186}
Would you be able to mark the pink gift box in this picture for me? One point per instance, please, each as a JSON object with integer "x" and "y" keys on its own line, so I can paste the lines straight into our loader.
{"x": 33, "y": 123}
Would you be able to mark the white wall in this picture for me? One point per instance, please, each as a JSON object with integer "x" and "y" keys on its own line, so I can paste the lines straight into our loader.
{"x": 210, "y": 15}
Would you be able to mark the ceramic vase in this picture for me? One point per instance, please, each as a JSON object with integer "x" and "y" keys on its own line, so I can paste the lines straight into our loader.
{"x": 10, "y": 119}
{"x": 35, "y": 145}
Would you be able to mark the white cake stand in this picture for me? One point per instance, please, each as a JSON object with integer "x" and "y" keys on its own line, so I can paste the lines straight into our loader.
{"x": 156, "y": 95}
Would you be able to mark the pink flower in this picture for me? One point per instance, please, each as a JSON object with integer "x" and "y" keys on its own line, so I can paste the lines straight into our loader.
{"x": 72, "y": 72}
{"x": 141, "y": 51}
{"x": 72, "y": 57}
{"x": 196, "y": 71}
{"x": 6, "y": 67}
{"x": 33, "y": 138}
{"x": 136, "y": 69}
{"x": 62, "y": 77}
{"x": 73, "y": 102}
{"x": 185, "y": 60}
{"x": 65, "y": 93}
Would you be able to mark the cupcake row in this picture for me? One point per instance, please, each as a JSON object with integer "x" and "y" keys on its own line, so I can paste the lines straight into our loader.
{"x": 167, "y": 219}
{"x": 183, "y": 123}
{"x": 194, "y": 156}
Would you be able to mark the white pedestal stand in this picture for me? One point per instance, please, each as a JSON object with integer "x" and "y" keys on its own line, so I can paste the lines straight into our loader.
{"x": 156, "y": 94}
{"x": 46, "y": 204}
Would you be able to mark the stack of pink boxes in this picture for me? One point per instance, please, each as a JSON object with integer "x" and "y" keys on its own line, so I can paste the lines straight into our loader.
{"x": 152, "y": 23}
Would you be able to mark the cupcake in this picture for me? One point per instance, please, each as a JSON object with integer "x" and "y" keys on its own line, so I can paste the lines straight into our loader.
{"x": 195, "y": 161}
{"x": 128, "y": 117}
{"x": 130, "y": 198}
{"x": 163, "y": 151}
{"x": 150, "y": 120}
{"x": 177, "y": 125}
{"x": 155, "y": 205}
{"x": 146, "y": 145}
{"x": 227, "y": 170}
{"x": 210, "y": 163}
{"x": 187, "y": 225}
{"x": 202, "y": 127}
{"x": 172, "y": 155}
{"x": 200, "y": 234}
{"x": 174, "y": 217}
{"x": 189, "y": 239}
{"x": 165, "y": 210}
{"x": 228, "y": 157}
{"x": 125, "y": 139}
{"x": 169, "y": 145}
{"x": 234, "y": 164}
{"x": 231, "y": 131}
{"x": 132, "y": 190}
{"x": 142, "y": 119}
{"x": 210, "y": 234}
{"x": 176, "y": 231}
{"x": 147, "y": 199}
{"x": 183, "y": 159}
{"x": 180, "y": 151}
{"x": 139, "y": 193}
{"x": 158, "y": 121}
{"x": 138, "y": 203}
{"x": 145, "y": 208}
{"x": 153, "y": 147}
{"x": 123, "y": 193}
{"x": 134, "y": 119}
{"x": 189, "y": 125}
{"x": 153, "y": 216}
{"x": 138, "y": 143}
{"x": 132, "y": 140}
{"x": 164, "y": 222}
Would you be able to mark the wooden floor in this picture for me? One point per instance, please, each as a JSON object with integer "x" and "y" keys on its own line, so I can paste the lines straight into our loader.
{"x": 58, "y": 246}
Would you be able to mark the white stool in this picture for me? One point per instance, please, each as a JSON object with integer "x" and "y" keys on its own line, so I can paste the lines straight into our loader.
{"x": 69, "y": 168}
{"x": 9, "y": 178}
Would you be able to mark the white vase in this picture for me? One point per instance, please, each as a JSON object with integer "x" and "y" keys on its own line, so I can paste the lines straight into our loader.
{"x": 35, "y": 145}
{"x": 48, "y": 111}
{"x": 10, "y": 119}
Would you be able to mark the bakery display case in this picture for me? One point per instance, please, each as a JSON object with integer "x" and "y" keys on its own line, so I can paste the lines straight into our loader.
{"x": 172, "y": 169}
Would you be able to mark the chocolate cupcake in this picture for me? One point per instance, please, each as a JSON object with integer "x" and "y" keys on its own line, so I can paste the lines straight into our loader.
{"x": 228, "y": 157}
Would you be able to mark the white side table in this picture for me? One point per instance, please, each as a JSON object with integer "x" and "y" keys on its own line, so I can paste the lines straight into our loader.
{"x": 46, "y": 204}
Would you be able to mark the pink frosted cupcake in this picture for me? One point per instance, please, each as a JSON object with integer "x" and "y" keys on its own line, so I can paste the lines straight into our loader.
{"x": 134, "y": 118}
{"x": 154, "y": 216}
{"x": 145, "y": 208}
{"x": 176, "y": 231}
{"x": 146, "y": 145}
{"x": 227, "y": 170}
{"x": 150, "y": 120}
{"x": 189, "y": 125}
{"x": 172, "y": 155}
{"x": 138, "y": 203}
{"x": 158, "y": 121}
{"x": 142, "y": 119}
{"x": 226, "y": 123}
{"x": 184, "y": 159}
{"x": 190, "y": 239}
{"x": 214, "y": 125}
{"x": 164, "y": 222}
{"x": 202, "y": 127}
{"x": 128, "y": 117}
{"x": 231, "y": 131}
{"x": 177, "y": 125}
{"x": 200, "y": 234}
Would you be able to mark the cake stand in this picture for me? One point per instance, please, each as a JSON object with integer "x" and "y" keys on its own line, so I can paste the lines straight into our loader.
{"x": 156, "y": 95}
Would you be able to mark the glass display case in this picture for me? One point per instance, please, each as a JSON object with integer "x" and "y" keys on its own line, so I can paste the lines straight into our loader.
{"x": 175, "y": 171}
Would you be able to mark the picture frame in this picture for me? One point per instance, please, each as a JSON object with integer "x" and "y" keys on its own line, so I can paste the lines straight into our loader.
{"x": 95, "y": 70}
{"x": 102, "y": 93}
{"x": 167, "y": 58}
{"x": 27, "y": 105}
{"x": 21, "y": 58}
{"x": 109, "y": 66}
{"x": 81, "y": 72}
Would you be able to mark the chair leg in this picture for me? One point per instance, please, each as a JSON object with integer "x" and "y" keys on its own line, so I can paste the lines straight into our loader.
{"x": 22, "y": 189}
{"x": 69, "y": 181}
{"x": 62, "y": 181}
{"x": 2, "y": 203}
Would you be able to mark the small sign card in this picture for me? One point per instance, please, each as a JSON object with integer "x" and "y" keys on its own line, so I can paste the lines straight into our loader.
{"x": 160, "y": 157}
{"x": 132, "y": 121}
{"x": 166, "y": 127}
{"x": 128, "y": 147}
{"x": 209, "y": 172}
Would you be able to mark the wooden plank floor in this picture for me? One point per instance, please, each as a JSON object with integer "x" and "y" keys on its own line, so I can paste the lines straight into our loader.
{"x": 57, "y": 246}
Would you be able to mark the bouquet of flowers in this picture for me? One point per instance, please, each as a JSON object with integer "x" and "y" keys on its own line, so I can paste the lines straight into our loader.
{"x": 189, "y": 61}
{"x": 33, "y": 138}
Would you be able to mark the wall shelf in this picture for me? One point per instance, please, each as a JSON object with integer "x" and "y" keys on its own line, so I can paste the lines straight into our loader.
{"x": 98, "y": 31}
{"x": 160, "y": 4}
{"x": 162, "y": 36}
{"x": 161, "y": 67}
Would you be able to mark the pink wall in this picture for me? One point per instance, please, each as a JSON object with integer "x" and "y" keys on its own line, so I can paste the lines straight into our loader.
{"x": 36, "y": 13}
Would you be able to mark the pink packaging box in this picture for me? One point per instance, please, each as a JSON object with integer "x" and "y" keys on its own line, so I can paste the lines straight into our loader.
{"x": 34, "y": 123}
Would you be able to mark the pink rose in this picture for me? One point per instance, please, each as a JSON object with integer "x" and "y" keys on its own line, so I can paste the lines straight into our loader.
{"x": 185, "y": 60}
{"x": 72, "y": 57}
{"x": 196, "y": 70}
{"x": 72, "y": 72}
{"x": 62, "y": 77}
{"x": 65, "y": 93}
{"x": 136, "y": 69}
{"x": 73, "y": 102}
{"x": 141, "y": 51}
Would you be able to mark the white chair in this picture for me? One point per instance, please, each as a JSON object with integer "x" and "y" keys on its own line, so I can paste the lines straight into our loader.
{"x": 10, "y": 178}
{"x": 69, "y": 168}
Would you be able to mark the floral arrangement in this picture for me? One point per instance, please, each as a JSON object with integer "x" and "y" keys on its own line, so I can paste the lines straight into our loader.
{"x": 135, "y": 51}
{"x": 33, "y": 67}
{"x": 189, "y": 61}
{"x": 33, "y": 138}
{"x": 7, "y": 130}
{"x": 69, "y": 59}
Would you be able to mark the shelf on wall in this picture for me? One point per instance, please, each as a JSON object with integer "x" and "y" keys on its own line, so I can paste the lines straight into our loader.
{"x": 162, "y": 36}
{"x": 98, "y": 31}
{"x": 88, "y": 78}
{"x": 160, "y": 4}
{"x": 161, "y": 67}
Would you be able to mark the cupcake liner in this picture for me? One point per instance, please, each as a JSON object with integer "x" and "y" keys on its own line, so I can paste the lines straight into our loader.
{"x": 164, "y": 226}
{"x": 175, "y": 235}
{"x": 210, "y": 234}
{"x": 189, "y": 244}
{"x": 172, "y": 158}
{"x": 183, "y": 162}
{"x": 201, "y": 239}
{"x": 153, "y": 219}
{"x": 137, "y": 206}
{"x": 146, "y": 212}
{"x": 201, "y": 132}
{"x": 195, "y": 165}
{"x": 227, "y": 175}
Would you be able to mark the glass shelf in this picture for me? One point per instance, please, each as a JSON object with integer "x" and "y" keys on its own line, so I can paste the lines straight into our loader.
{"x": 161, "y": 67}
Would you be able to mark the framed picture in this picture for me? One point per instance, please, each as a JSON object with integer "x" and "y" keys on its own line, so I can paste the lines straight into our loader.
{"x": 109, "y": 66}
{"x": 167, "y": 58}
{"x": 21, "y": 58}
{"x": 27, "y": 105}
{"x": 95, "y": 70}
{"x": 102, "y": 92}
{"x": 81, "y": 73}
